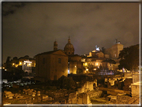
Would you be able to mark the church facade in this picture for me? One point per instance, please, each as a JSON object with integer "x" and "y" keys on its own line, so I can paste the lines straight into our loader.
{"x": 51, "y": 65}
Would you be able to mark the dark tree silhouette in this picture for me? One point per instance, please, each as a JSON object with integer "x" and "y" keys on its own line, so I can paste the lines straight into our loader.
{"x": 129, "y": 58}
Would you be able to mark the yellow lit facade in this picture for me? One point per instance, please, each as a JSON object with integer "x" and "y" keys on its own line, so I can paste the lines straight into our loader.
{"x": 25, "y": 63}
{"x": 16, "y": 65}
{"x": 85, "y": 64}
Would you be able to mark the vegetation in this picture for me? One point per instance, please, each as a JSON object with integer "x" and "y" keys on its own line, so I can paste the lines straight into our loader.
{"x": 66, "y": 82}
{"x": 129, "y": 58}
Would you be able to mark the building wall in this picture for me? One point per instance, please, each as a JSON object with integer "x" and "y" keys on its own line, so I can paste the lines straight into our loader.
{"x": 75, "y": 64}
{"x": 115, "y": 50}
{"x": 43, "y": 66}
{"x": 100, "y": 55}
{"x": 58, "y": 68}
{"x": 52, "y": 66}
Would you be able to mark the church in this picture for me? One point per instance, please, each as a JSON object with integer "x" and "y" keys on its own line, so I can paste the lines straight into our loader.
{"x": 53, "y": 64}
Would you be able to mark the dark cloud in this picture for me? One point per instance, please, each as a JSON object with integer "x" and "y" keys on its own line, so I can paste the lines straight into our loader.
{"x": 33, "y": 28}
{"x": 10, "y": 8}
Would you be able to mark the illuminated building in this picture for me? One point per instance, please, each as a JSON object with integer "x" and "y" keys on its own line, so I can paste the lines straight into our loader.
{"x": 25, "y": 63}
{"x": 96, "y": 57}
{"x": 74, "y": 62}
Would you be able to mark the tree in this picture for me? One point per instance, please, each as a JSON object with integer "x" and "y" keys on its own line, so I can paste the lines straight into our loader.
{"x": 129, "y": 58}
{"x": 66, "y": 82}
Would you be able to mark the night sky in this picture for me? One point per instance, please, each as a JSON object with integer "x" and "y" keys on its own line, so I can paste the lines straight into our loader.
{"x": 32, "y": 28}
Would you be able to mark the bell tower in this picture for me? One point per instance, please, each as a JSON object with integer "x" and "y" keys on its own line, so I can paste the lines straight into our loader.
{"x": 55, "y": 45}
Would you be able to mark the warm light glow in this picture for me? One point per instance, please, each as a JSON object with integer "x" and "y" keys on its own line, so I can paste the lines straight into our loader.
{"x": 94, "y": 51}
{"x": 97, "y": 64}
{"x": 16, "y": 65}
{"x": 75, "y": 66}
{"x": 95, "y": 69}
{"x": 20, "y": 63}
{"x": 82, "y": 60}
{"x": 13, "y": 63}
{"x": 34, "y": 64}
{"x": 3, "y": 67}
{"x": 86, "y": 69}
{"x": 85, "y": 64}
{"x": 29, "y": 64}
{"x": 0, "y": 67}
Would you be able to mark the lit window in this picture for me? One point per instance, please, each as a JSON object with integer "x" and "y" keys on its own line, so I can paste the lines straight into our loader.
{"x": 13, "y": 63}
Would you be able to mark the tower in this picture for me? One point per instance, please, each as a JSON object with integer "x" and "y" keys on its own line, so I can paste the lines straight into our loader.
{"x": 55, "y": 45}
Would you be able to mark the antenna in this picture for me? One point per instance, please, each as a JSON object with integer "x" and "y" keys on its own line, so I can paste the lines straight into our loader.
{"x": 116, "y": 40}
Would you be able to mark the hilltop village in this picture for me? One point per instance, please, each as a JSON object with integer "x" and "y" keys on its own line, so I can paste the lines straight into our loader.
{"x": 62, "y": 77}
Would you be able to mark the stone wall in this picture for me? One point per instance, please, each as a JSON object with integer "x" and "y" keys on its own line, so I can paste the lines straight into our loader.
{"x": 123, "y": 99}
{"x": 88, "y": 86}
{"x": 135, "y": 88}
{"x": 127, "y": 74}
{"x": 135, "y": 78}
{"x": 83, "y": 94}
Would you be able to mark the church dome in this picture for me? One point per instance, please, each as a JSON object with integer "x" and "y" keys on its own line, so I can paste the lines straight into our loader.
{"x": 69, "y": 49}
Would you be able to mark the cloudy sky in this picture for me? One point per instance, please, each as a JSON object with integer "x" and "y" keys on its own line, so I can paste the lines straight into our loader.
{"x": 31, "y": 28}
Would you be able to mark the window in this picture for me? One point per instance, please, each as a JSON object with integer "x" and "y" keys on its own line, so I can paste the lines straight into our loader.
{"x": 43, "y": 61}
{"x": 59, "y": 60}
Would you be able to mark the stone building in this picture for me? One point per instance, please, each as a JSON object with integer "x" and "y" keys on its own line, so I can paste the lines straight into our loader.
{"x": 114, "y": 50}
{"x": 74, "y": 62}
{"x": 51, "y": 65}
{"x": 105, "y": 59}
